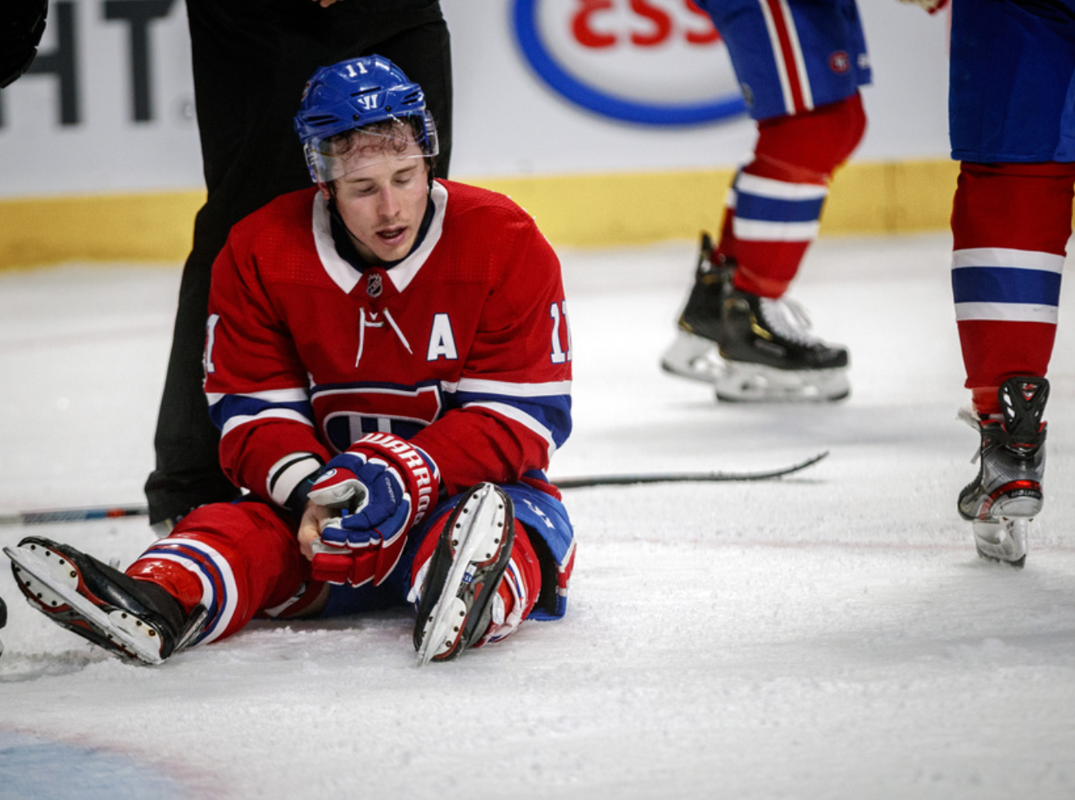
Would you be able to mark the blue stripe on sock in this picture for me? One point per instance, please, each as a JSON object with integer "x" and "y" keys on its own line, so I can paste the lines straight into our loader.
{"x": 1005, "y": 285}
{"x": 769, "y": 209}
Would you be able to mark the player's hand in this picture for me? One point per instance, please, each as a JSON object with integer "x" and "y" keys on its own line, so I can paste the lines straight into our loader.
{"x": 310, "y": 528}
{"x": 374, "y": 493}
{"x": 932, "y": 6}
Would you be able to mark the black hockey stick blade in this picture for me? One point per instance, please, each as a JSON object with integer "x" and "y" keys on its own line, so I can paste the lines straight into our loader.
{"x": 72, "y": 515}
{"x": 684, "y": 477}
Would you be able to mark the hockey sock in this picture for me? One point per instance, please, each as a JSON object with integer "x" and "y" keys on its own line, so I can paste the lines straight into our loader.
{"x": 779, "y": 195}
{"x": 518, "y": 591}
{"x": 235, "y": 559}
{"x": 174, "y": 578}
{"x": 725, "y": 250}
{"x": 1010, "y": 226}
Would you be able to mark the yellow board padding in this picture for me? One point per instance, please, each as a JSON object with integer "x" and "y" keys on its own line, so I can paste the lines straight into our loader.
{"x": 591, "y": 210}
{"x": 617, "y": 209}
{"x": 891, "y": 197}
{"x": 156, "y": 227}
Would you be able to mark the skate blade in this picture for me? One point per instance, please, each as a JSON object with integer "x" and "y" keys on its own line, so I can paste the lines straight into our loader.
{"x": 1003, "y": 541}
{"x": 477, "y": 532}
{"x": 56, "y": 586}
{"x": 693, "y": 357}
{"x": 742, "y": 382}
{"x": 1026, "y": 506}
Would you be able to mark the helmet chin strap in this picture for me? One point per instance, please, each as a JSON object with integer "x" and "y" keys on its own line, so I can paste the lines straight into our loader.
{"x": 334, "y": 214}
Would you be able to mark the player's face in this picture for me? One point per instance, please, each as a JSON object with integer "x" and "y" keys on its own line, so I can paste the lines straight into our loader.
{"x": 382, "y": 202}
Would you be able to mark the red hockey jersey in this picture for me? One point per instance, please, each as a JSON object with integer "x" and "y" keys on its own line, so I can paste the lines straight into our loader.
{"x": 462, "y": 347}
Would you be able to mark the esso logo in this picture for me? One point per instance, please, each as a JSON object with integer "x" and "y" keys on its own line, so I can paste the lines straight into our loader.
{"x": 654, "y": 62}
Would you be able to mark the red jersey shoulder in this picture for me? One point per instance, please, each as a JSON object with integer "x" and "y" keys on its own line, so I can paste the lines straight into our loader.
{"x": 286, "y": 211}
{"x": 498, "y": 237}
{"x": 483, "y": 212}
{"x": 278, "y": 239}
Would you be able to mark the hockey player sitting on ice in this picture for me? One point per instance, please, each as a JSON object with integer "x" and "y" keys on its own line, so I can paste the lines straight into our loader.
{"x": 387, "y": 358}
{"x": 800, "y": 64}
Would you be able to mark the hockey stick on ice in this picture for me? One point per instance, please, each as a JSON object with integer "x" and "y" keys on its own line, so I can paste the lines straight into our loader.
{"x": 71, "y": 515}
{"x": 48, "y": 517}
{"x": 684, "y": 477}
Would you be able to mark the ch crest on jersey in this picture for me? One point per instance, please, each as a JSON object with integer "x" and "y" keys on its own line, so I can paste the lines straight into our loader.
{"x": 350, "y": 412}
{"x": 374, "y": 284}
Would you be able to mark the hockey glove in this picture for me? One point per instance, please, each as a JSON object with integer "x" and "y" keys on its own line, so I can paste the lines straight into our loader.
{"x": 381, "y": 486}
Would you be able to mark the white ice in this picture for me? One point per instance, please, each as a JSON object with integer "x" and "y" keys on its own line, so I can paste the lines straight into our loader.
{"x": 831, "y": 635}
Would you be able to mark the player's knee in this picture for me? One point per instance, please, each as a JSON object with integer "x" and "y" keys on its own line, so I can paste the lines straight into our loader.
{"x": 851, "y": 120}
{"x": 806, "y": 148}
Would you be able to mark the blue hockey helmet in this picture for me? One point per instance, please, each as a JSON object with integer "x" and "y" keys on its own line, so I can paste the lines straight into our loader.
{"x": 352, "y": 95}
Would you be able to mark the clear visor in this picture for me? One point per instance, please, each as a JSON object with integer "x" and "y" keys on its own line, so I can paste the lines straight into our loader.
{"x": 393, "y": 139}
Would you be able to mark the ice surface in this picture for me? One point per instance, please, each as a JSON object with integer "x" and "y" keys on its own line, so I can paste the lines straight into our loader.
{"x": 831, "y": 635}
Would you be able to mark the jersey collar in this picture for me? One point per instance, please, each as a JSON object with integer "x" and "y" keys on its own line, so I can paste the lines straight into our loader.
{"x": 401, "y": 274}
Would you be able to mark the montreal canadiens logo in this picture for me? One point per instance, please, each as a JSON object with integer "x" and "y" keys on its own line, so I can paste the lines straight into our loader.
{"x": 652, "y": 62}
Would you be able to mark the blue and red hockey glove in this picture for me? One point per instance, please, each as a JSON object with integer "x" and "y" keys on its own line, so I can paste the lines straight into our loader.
{"x": 381, "y": 486}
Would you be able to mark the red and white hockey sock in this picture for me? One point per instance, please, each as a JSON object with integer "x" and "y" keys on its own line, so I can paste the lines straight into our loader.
{"x": 777, "y": 198}
{"x": 1010, "y": 226}
{"x": 518, "y": 590}
{"x": 173, "y": 577}
{"x": 725, "y": 249}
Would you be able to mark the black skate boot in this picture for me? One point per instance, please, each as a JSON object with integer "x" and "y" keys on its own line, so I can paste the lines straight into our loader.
{"x": 1006, "y": 496}
{"x": 751, "y": 348}
{"x": 770, "y": 354}
{"x": 128, "y": 617}
{"x": 694, "y": 352}
{"x": 463, "y": 575}
{"x": 3, "y": 621}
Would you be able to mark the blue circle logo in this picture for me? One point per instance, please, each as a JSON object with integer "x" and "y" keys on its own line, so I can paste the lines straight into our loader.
{"x": 642, "y": 62}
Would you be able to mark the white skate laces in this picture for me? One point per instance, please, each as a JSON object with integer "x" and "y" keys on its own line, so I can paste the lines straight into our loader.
{"x": 787, "y": 318}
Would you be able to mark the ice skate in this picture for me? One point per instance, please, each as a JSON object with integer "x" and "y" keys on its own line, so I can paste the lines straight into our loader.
{"x": 464, "y": 572}
{"x": 770, "y": 354}
{"x": 130, "y": 618}
{"x": 3, "y": 621}
{"x": 694, "y": 353}
{"x": 1006, "y": 496}
{"x": 752, "y": 348}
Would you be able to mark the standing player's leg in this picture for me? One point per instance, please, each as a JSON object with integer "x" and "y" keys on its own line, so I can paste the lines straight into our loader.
{"x": 1013, "y": 129}
{"x": 800, "y": 72}
{"x": 1010, "y": 224}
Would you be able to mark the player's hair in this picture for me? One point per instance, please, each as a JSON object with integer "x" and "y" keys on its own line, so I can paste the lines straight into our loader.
{"x": 385, "y": 135}
{"x": 391, "y": 136}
